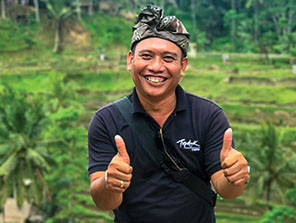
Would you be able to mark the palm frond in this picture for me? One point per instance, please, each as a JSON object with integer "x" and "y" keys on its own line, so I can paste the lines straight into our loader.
{"x": 8, "y": 165}
{"x": 37, "y": 159}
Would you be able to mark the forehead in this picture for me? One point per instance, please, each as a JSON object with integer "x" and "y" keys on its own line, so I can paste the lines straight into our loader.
{"x": 156, "y": 44}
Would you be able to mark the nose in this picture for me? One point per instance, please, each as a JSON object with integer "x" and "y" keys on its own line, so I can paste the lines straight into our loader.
{"x": 156, "y": 65}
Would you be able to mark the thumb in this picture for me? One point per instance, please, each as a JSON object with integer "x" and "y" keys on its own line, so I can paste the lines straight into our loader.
{"x": 227, "y": 141}
{"x": 121, "y": 149}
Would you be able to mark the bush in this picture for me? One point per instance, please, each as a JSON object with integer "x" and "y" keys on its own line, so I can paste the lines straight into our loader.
{"x": 15, "y": 36}
{"x": 279, "y": 214}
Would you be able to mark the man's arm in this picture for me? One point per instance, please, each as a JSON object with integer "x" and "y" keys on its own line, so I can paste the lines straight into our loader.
{"x": 107, "y": 187}
{"x": 103, "y": 198}
{"x": 230, "y": 182}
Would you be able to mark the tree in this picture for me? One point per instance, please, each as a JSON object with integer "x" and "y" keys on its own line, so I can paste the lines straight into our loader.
{"x": 23, "y": 153}
{"x": 3, "y": 9}
{"x": 77, "y": 5}
{"x": 273, "y": 170}
{"x": 256, "y": 6}
{"x": 291, "y": 194}
{"x": 67, "y": 180}
{"x": 233, "y": 23}
{"x": 36, "y": 5}
{"x": 59, "y": 10}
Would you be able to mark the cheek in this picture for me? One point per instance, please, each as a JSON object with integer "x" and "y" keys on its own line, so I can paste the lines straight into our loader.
{"x": 175, "y": 70}
{"x": 138, "y": 67}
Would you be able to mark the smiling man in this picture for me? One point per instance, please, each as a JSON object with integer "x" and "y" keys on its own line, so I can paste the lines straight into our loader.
{"x": 153, "y": 154}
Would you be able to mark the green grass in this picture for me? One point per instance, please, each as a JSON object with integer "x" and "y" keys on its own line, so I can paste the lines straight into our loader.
{"x": 235, "y": 218}
{"x": 215, "y": 86}
{"x": 106, "y": 81}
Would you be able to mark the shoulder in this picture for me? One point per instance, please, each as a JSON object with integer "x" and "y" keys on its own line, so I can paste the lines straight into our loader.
{"x": 104, "y": 113}
{"x": 109, "y": 110}
{"x": 108, "y": 116}
{"x": 201, "y": 102}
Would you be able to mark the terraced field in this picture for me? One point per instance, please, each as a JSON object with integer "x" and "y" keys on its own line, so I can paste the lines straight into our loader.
{"x": 249, "y": 89}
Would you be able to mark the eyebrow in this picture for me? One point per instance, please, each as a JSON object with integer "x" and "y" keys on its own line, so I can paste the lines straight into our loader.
{"x": 164, "y": 53}
{"x": 170, "y": 53}
{"x": 145, "y": 51}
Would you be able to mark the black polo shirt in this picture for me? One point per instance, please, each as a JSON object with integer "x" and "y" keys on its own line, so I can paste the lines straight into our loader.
{"x": 194, "y": 132}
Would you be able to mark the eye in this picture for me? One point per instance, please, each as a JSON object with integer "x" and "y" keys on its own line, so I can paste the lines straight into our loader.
{"x": 146, "y": 56}
{"x": 169, "y": 59}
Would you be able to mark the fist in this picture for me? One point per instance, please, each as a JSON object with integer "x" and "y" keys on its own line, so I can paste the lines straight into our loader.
{"x": 119, "y": 173}
{"x": 234, "y": 164}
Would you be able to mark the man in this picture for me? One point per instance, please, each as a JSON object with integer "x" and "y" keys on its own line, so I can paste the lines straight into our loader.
{"x": 192, "y": 132}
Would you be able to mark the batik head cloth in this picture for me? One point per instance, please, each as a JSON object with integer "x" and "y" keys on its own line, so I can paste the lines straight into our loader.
{"x": 151, "y": 23}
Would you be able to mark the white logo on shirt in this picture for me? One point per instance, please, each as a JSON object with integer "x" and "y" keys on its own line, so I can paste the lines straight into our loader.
{"x": 192, "y": 145}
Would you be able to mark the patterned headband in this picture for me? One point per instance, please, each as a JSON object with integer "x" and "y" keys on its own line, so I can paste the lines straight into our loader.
{"x": 151, "y": 23}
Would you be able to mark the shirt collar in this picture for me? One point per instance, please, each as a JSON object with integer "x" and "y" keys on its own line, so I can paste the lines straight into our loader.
{"x": 181, "y": 101}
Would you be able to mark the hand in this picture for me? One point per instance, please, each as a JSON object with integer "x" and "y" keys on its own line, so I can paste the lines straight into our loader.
{"x": 234, "y": 164}
{"x": 119, "y": 173}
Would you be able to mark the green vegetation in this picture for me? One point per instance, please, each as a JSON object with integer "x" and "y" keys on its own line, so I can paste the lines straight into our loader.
{"x": 235, "y": 218}
{"x": 63, "y": 91}
{"x": 24, "y": 158}
{"x": 15, "y": 37}
{"x": 104, "y": 35}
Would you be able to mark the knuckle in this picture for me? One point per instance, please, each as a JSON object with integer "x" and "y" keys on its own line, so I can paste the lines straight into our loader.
{"x": 130, "y": 177}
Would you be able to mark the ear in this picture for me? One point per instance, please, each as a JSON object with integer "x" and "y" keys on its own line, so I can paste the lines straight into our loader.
{"x": 184, "y": 65}
{"x": 129, "y": 60}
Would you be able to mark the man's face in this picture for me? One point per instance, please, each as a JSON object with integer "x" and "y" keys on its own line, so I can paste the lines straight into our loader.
{"x": 156, "y": 68}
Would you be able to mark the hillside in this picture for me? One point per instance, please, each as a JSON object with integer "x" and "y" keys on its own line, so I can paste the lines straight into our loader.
{"x": 249, "y": 88}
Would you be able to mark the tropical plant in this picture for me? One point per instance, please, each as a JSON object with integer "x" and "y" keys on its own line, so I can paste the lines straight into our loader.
{"x": 23, "y": 155}
{"x": 37, "y": 15}
{"x": 279, "y": 214}
{"x": 60, "y": 93}
{"x": 59, "y": 10}
{"x": 291, "y": 195}
{"x": 67, "y": 178}
{"x": 3, "y": 13}
{"x": 273, "y": 170}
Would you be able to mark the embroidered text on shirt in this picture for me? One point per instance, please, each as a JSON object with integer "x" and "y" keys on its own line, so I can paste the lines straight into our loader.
{"x": 192, "y": 145}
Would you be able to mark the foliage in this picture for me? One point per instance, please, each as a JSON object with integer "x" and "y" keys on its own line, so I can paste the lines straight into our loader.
{"x": 279, "y": 214}
{"x": 104, "y": 35}
{"x": 60, "y": 93}
{"x": 24, "y": 158}
{"x": 241, "y": 26}
{"x": 291, "y": 195}
{"x": 274, "y": 171}
{"x": 68, "y": 178}
{"x": 59, "y": 10}
{"x": 235, "y": 218}
{"x": 16, "y": 37}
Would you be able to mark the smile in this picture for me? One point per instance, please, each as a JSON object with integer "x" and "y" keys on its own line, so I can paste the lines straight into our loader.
{"x": 155, "y": 79}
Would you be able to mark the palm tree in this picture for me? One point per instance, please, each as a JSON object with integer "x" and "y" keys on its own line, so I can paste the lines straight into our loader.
{"x": 272, "y": 168}
{"x": 36, "y": 5}
{"x": 77, "y": 5}
{"x": 3, "y": 9}
{"x": 59, "y": 10}
{"x": 23, "y": 155}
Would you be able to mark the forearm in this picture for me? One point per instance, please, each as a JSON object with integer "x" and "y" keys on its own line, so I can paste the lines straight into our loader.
{"x": 226, "y": 189}
{"x": 104, "y": 198}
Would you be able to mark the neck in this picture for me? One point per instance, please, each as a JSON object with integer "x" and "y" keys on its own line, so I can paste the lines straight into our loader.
{"x": 159, "y": 109}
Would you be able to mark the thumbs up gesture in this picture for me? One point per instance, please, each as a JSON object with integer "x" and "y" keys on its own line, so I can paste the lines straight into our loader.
{"x": 119, "y": 173}
{"x": 234, "y": 164}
